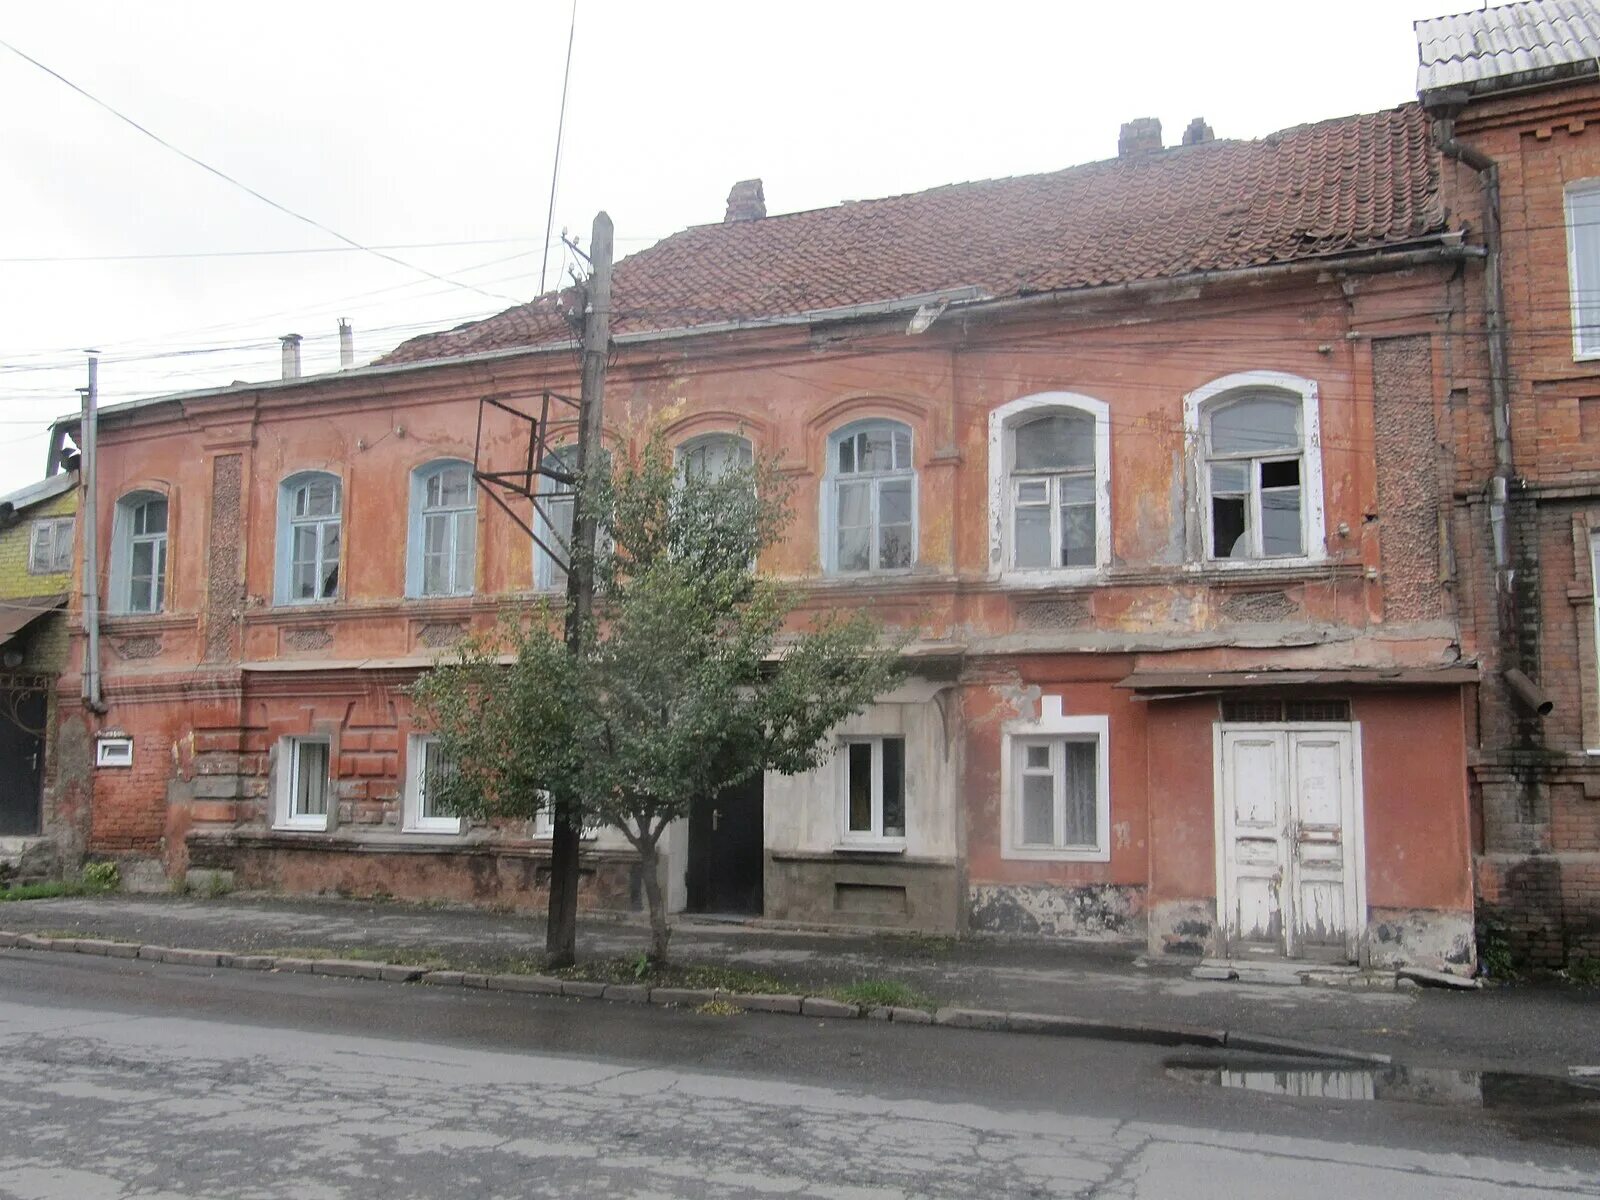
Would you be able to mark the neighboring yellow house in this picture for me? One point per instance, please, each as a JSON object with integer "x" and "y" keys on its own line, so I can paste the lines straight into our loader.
{"x": 37, "y": 531}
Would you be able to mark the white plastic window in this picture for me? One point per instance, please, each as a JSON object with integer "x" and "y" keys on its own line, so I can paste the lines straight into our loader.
{"x": 304, "y": 785}
{"x": 874, "y": 771}
{"x": 427, "y": 767}
{"x": 1583, "y": 257}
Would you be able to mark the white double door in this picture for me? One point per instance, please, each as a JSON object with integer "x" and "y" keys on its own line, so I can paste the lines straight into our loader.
{"x": 1290, "y": 858}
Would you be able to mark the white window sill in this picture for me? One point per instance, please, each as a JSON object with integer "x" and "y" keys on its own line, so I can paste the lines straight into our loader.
{"x": 1056, "y": 853}
{"x": 1302, "y": 561}
{"x": 436, "y": 828}
{"x": 438, "y": 596}
{"x": 896, "y": 573}
{"x": 1586, "y": 356}
{"x": 296, "y": 604}
{"x": 1046, "y": 576}
{"x": 302, "y": 825}
{"x": 873, "y": 846}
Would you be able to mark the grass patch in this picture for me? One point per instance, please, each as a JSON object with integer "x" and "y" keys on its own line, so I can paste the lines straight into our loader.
{"x": 674, "y": 975}
{"x": 1584, "y": 971}
{"x": 51, "y": 890}
{"x": 884, "y": 993}
{"x": 718, "y": 1008}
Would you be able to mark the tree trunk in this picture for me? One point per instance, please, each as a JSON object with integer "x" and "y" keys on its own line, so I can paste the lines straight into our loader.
{"x": 660, "y": 931}
{"x": 561, "y": 922}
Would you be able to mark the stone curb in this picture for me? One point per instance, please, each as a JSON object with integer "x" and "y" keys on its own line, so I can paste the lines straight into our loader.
{"x": 993, "y": 1020}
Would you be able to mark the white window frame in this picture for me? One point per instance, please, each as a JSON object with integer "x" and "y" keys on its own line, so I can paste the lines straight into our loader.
{"x": 1583, "y": 349}
{"x": 1003, "y": 422}
{"x": 412, "y": 817}
{"x": 116, "y": 752}
{"x": 874, "y": 838}
{"x": 416, "y": 530}
{"x": 122, "y": 543}
{"x": 1594, "y": 684}
{"x": 1053, "y": 725}
{"x": 288, "y": 772}
{"x": 828, "y": 509}
{"x": 287, "y": 522}
{"x": 1196, "y": 407}
{"x": 51, "y": 530}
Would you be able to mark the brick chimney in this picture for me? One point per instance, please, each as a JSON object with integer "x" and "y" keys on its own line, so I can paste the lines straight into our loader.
{"x": 1198, "y": 132}
{"x": 291, "y": 355}
{"x": 746, "y": 202}
{"x": 1139, "y": 137}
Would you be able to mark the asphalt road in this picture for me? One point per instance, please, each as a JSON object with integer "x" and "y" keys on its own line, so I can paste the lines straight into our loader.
{"x": 124, "y": 1079}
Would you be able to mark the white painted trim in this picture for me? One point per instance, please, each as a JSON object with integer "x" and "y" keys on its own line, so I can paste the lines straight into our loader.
{"x": 283, "y": 558}
{"x": 411, "y": 818}
{"x": 827, "y": 545}
{"x": 283, "y": 786}
{"x": 1580, "y": 352}
{"x": 1001, "y": 422}
{"x": 1313, "y": 517}
{"x": 875, "y": 840}
{"x": 1052, "y": 723}
{"x": 104, "y": 744}
{"x": 416, "y": 497}
{"x": 1594, "y": 567}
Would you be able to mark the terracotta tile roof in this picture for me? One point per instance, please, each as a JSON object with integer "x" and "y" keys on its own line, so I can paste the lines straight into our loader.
{"x": 1337, "y": 186}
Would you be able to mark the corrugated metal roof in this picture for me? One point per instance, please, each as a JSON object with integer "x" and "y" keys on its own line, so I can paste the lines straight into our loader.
{"x": 44, "y": 489}
{"x": 1508, "y": 46}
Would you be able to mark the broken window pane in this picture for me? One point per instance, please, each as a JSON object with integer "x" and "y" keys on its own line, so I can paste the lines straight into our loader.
{"x": 1228, "y": 538}
{"x": 894, "y": 787}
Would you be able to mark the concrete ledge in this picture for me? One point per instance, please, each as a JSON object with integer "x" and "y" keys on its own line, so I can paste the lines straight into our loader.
{"x": 1044, "y": 1024}
{"x": 773, "y": 1002}
{"x": 682, "y": 997}
{"x": 821, "y": 1006}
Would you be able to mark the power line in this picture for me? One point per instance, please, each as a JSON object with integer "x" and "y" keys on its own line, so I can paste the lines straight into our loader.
{"x": 561, "y": 126}
{"x": 226, "y": 178}
{"x": 95, "y": 258}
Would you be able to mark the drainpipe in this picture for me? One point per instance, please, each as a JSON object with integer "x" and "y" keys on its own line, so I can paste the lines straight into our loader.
{"x": 1494, "y": 314}
{"x": 91, "y": 541}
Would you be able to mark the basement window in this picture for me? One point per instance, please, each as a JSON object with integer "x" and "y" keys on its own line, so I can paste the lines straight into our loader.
{"x": 113, "y": 752}
{"x": 874, "y": 791}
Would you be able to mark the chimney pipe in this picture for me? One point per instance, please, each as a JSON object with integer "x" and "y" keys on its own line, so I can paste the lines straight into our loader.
{"x": 291, "y": 355}
{"x": 1198, "y": 133}
{"x": 1139, "y": 137}
{"x": 746, "y": 202}
{"x": 347, "y": 345}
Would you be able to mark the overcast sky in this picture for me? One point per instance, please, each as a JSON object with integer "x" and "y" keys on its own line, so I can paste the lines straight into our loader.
{"x": 401, "y": 123}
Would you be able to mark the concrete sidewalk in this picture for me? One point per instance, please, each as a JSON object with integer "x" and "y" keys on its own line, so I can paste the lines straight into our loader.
{"x": 1544, "y": 1029}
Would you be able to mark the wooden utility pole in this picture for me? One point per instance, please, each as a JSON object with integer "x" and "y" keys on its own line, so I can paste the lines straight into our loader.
{"x": 561, "y": 931}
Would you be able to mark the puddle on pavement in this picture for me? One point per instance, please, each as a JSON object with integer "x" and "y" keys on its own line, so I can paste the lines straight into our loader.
{"x": 1565, "y": 1109}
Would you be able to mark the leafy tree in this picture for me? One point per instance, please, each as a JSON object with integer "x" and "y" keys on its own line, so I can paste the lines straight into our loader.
{"x": 686, "y": 685}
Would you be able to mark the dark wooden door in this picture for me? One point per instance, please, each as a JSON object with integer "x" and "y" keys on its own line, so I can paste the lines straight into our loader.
{"x": 725, "y": 852}
{"x": 22, "y": 715}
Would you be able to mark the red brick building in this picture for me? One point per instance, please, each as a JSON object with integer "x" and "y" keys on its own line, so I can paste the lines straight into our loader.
{"x": 1146, "y": 453}
{"x": 1516, "y": 102}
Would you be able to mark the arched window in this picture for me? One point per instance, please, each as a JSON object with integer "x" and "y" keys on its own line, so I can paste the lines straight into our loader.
{"x": 712, "y": 455}
{"x": 139, "y": 554}
{"x": 1254, "y": 447}
{"x": 309, "y": 538}
{"x": 442, "y": 549}
{"x": 870, "y": 500}
{"x": 1049, "y": 483}
{"x": 552, "y": 521}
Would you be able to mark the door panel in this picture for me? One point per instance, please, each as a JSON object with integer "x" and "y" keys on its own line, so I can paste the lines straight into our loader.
{"x": 1287, "y": 869}
{"x": 1318, "y": 820}
{"x": 1252, "y": 772}
{"x": 726, "y": 852}
{"x": 22, "y": 719}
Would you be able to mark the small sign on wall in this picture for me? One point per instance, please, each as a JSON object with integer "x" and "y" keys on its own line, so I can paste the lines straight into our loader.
{"x": 113, "y": 750}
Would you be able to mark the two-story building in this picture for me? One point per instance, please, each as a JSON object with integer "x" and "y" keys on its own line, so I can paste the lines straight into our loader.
{"x": 36, "y": 548}
{"x": 1145, "y": 454}
{"x": 1515, "y": 97}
